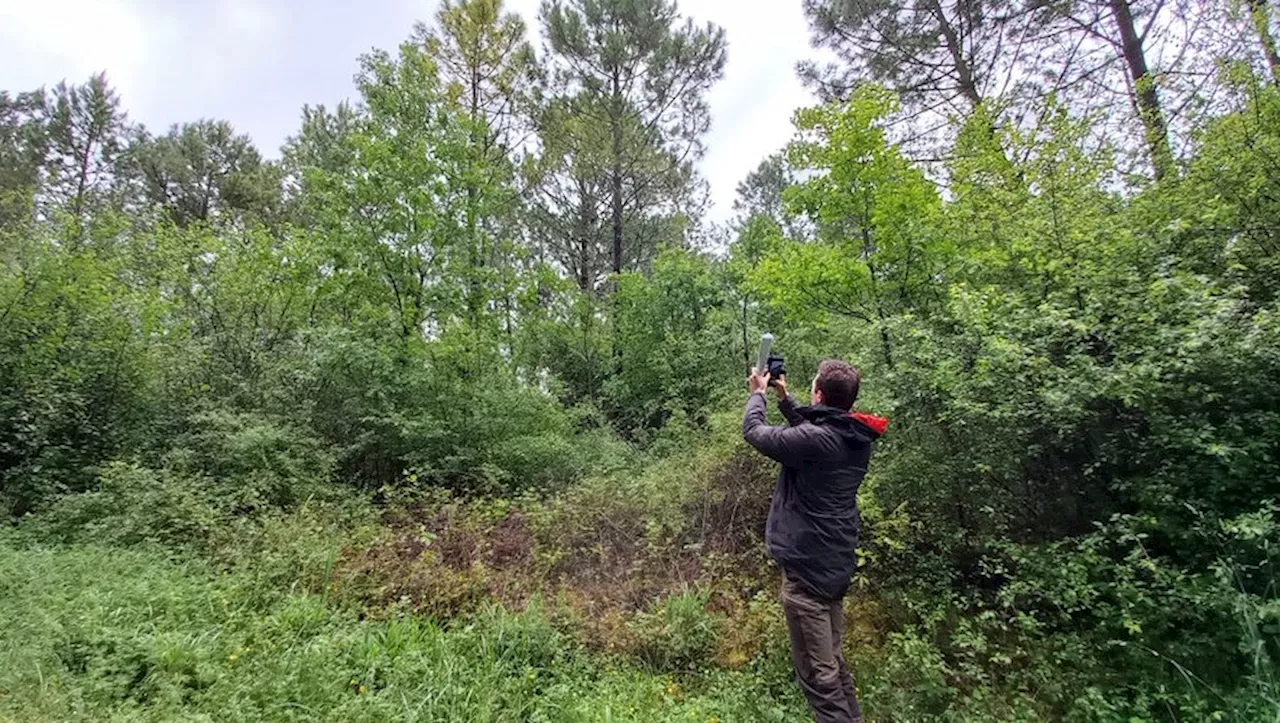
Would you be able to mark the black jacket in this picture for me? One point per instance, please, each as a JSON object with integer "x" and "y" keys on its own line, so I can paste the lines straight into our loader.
{"x": 813, "y": 521}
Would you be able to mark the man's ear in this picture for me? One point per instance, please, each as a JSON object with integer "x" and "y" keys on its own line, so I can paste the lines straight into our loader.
{"x": 815, "y": 394}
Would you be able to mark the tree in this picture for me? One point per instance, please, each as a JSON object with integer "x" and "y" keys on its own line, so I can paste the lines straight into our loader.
{"x": 488, "y": 70}
{"x": 321, "y": 148}
{"x": 573, "y": 187}
{"x": 1101, "y": 32}
{"x": 761, "y": 193}
{"x": 86, "y": 134}
{"x": 876, "y": 253}
{"x": 632, "y": 68}
{"x": 1260, "y": 15}
{"x": 939, "y": 56}
{"x": 394, "y": 214}
{"x": 671, "y": 329}
{"x": 762, "y": 222}
{"x": 1143, "y": 84}
{"x": 22, "y": 147}
{"x": 568, "y": 212}
{"x": 321, "y": 142}
{"x": 204, "y": 172}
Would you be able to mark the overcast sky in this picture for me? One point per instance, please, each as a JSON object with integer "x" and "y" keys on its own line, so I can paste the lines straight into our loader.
{"x": 256, "y": 62}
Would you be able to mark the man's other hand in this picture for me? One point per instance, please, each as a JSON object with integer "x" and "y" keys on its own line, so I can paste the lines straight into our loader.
{"x": 757, "y": 382}
{"x": 780, "y": 386}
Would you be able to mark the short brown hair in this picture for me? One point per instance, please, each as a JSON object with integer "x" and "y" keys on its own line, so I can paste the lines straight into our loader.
{"x": 838, "y": 383}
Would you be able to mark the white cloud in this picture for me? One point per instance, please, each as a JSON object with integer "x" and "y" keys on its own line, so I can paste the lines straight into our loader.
{"x": 753, "y": 105}
{"x": 44, "y": 42}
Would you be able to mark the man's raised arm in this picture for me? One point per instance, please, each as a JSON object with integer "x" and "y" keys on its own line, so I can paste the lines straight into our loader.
{"x": 791, "y": 446}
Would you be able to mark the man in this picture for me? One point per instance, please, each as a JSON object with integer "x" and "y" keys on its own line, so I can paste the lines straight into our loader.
{"x": 813, "y": 521}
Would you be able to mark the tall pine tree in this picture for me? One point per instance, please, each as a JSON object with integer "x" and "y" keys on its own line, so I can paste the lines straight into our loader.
{"x": 637, "y": 70}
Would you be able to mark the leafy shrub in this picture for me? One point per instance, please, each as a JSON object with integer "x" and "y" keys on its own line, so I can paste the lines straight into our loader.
{"x": 228, "y": 469}
{"x": 447, "y": 413}
{"x": 133, "y": 504}
{"x": 259, "y": 462}
{"x": 678, "y": 633}
{"x": 73, "y": 374}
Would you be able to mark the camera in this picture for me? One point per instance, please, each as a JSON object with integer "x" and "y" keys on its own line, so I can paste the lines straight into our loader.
{"x": 769, "y": 362}
{"x": 775, "y": 367}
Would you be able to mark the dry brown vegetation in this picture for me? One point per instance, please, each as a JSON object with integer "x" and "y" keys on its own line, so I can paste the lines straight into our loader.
{"x": 603, "y": 559}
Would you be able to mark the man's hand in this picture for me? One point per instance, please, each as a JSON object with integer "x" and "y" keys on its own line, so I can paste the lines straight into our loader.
{"x": 780, "y": 386}
{"x": 757, "y": 382}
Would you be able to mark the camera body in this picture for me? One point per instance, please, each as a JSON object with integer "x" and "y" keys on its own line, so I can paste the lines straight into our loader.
{"x": 776, "y": 368}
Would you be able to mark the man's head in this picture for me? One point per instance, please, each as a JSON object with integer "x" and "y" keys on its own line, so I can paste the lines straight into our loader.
{"x": 836, "y": 384}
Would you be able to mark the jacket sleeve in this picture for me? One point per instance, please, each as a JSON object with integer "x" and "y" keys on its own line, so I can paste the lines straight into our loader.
{"x": 788, "y": 408}
{"x": 792, "y": 446}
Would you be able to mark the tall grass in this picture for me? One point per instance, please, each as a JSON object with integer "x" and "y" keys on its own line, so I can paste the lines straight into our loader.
{"x": 96, "y": 633}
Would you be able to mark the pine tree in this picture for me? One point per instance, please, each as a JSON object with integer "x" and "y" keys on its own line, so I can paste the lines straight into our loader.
{"x": 636, "y": 70}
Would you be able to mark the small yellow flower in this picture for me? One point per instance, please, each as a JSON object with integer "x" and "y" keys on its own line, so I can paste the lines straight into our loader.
{"x": 232, "y": 658}
{"x": 363, "y": 689}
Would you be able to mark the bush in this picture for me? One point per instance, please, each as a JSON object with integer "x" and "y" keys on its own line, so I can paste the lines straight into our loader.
{"x": 677, "y": 634}
{"x": 258, "y": 461}
{"x": 228, "y": 470}
{"x": 447, "y": 413}
{"x": 133, "y": 504}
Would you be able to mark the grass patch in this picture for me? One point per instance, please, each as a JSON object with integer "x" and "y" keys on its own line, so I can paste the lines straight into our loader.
{"x": 104, "y": 633}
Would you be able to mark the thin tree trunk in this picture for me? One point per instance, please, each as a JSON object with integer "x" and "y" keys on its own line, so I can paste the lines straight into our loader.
{"x": 1146, "y": 99}
{"x": 477, "y": 257}
{"x": 615, "y": 122}
{"x": 964, "y": 73}
{"x": 82, "y": 181}
{"x": 1261, "y": 15}
{"x": 584, "y": 238}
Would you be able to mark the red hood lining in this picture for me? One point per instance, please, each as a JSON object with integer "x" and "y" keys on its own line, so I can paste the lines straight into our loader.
{"x": 877, "y": 424}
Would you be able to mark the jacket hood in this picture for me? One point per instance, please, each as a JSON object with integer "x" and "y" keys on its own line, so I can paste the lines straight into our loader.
{"x": 872, "y": 422}
{"x": 856, "y": 425}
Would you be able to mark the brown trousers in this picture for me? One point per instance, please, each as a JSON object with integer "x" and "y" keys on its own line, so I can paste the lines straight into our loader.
{"x": 816, "y": 627}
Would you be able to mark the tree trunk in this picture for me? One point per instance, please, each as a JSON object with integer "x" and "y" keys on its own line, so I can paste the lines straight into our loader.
{"x": 615, "y": 121}
{"x": 476, "y": 256}
{"x": 584, "y": 234}
{"x": 1145, "y": 98}
{"x": 964, "y": 73}
{"x": 82, "y": 173}
{"x": 1261, "y": 15}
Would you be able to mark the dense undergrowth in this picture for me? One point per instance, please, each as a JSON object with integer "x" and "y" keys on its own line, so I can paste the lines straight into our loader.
{"x": 637, "y": 596}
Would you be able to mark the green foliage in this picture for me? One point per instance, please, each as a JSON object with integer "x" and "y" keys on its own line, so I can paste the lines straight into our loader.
{"x": 630, "y": 111}
{"x": 450, "y": 411}
{"x": 878, "y": 251}
{"x": 1224, "y": 212}
{"x": 509, "y": 350}
{"x": 100, "y": 634}
{"x": 217, "y": 479}
{"x": 203, "y": 172}
{"x": 669, "y": 334}
{"x": 1078, "y": 398}
{"x": 74, "y": 370}
{"x": 678, "y": 634}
